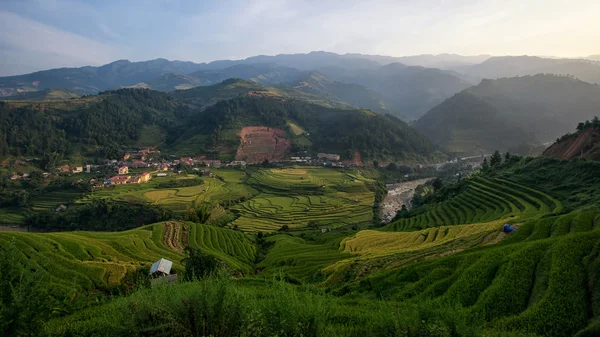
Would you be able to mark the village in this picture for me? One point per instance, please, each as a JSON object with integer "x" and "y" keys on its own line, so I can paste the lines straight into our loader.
{"x": 141, "y": 165}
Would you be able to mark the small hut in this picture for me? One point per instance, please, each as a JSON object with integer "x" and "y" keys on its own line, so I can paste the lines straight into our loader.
{"x": 161, "y": 267}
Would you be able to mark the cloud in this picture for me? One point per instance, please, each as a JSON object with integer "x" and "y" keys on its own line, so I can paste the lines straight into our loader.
{"x": 37, "y": 40}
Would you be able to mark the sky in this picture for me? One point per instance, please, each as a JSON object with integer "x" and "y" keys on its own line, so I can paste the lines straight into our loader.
{"x": 44, "y": 34}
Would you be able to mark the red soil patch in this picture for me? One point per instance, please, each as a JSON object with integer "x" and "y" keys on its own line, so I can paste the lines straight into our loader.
{"x": 258, "y": 143}
{"x": 356, "y": 160}
{"x": 586, "y": 142}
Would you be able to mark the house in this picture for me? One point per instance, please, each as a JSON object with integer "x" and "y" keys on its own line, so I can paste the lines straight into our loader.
{"x": 119, "y": 180}
{"x": 138, "y": 164}
{"x": 15, "y": 177}
{"x": 144, "y": 177}
{"x": 88, "y": 168}
{"x": 60, "y": 208}
{"x": 329, "y": 156}
{"x": 77, "y": 169}
{"x": 127, "y": 156}
{"x": 211, "y": 163}
{"x": 239, "y": 163}
{"x": 161, "y": 175}
{"x": 164, "y": 167}
{"x": 123, "y": 170}
{"x": 206, "y": 173}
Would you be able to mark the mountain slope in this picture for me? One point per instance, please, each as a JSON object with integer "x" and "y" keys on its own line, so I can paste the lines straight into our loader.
{"x": 108, "y": 124}
{"x": 585, "y": 143}
{"x": 355, "y": 94}
{"x": 169, "y": 82}
{"x": 90, "y": 80}
{"x": 407, "y": 91}
{"x": 203, "y": 96}
{"x": 43, "y": 95}
{"x": 504, "y": 113}
{"x": 511, "y": 66}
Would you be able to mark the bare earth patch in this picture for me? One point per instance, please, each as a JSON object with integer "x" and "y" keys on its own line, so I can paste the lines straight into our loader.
{"x": 258, "y": 143}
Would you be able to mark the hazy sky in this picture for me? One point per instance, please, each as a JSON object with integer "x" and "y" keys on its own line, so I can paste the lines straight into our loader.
{"x": 42, "y": 34}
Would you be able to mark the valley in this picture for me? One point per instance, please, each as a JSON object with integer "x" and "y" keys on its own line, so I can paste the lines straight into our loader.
{"x": 288, "y": 196}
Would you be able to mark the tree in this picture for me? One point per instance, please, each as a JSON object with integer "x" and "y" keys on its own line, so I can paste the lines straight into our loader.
{"x": 392, "y": 167}
{"x": 485, "y": 166}
{"x": 375, "y": 164}
{"x": 496, "y": 159}
{"x": 198, "y": 265}
{"x": 437, "y": 184}
{"x": 284, "y": 228}
{"x": 580, "y": 126}
{"x": 265, "y": 163}
{"x": 507, "y": 157}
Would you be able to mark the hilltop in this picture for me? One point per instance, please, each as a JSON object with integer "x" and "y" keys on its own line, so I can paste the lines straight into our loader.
{"x": 510, "y": 113}
{"x": 43, "y": 95}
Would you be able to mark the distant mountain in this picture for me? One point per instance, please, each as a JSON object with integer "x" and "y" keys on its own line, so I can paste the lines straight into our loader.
{"x": 267, "y": 73}
{"x": 441, "y": 61}
{"x": 585, "y": 143}
{"x": 511, "y": 66}
{"x": 43, "y": 95}
{"x": 593, "y": 57}
{"x": 509, "y": 112}
{"x": 355, "y": 94}
{"x": 169, "y": 82}
{"x": 407, "y": 91}
{"x": 90, "y": 80}
{"x": 204, "y": 96}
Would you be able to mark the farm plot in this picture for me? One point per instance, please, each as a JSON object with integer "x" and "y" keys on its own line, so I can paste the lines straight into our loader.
{"x": 302, "y": 196}
{"x": 269, "y": 213}
{"x": 86, "y": 260}
{"x": 51, "y": 200}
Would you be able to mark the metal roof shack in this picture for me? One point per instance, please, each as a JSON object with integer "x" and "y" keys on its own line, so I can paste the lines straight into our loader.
{"x": 161, "y": 266}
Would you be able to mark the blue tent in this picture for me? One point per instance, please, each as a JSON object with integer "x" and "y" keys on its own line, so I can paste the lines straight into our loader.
{"x": 508, "y": 228}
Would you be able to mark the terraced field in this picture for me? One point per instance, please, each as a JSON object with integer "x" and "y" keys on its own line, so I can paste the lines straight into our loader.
{"x": 300, "y": 259}
{"x": 370, "y": 243}
{"x": 297, "y": 197}
{"x": 86, "y": 260}
{"x": 51, "y": 200}
{"x": 548, "y": 283}
{"x": 484, "y": 200}
{"x": 213, "y": 191}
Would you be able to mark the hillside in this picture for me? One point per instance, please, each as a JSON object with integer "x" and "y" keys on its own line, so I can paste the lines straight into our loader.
{"x": 407, "y": 91}
{"x": 510, "y": 112}
{"x": 169, "y": 82}
{"x": 106, "y": 125}
{"x": 43, "y": 95}
{"x": 354, "y": 94}
{"x": 342, "y": 131}
{"x": 511, "y": 66}
{"x": 585, "y": 143}
{"x": 91, "y": 80}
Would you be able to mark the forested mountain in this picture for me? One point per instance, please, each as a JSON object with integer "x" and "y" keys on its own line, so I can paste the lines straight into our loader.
{"x": 508, "y": 112}
{"x": 343, "y": 131}
{"x": 90, "y": 80}
{"x": 106, "y": 125}
{"x": 510, "y": 66}
{"x": 355, "y": 94}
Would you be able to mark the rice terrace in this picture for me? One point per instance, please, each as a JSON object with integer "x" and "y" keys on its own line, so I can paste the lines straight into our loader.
{"x": 299, "y": 195}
